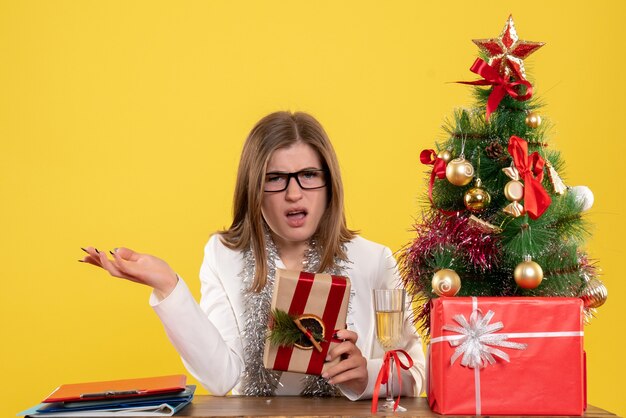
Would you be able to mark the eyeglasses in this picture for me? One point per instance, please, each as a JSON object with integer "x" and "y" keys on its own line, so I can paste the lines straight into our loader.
{"x": 306, "y": 179}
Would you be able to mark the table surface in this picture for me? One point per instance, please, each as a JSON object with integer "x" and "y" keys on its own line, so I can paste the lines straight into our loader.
{"x": 294, "y": 406}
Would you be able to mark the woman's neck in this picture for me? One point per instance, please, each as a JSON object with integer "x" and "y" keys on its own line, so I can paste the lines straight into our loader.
{"x": 292, "y": 254}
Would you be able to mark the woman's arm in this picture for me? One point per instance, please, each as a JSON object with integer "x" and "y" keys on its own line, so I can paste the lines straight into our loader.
{"x": 205, "y": 335}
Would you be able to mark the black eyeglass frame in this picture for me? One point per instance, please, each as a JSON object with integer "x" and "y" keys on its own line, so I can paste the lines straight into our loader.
{"x": 295, "y": 176}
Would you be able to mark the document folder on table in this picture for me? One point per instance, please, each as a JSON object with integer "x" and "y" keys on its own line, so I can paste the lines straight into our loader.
{"x": 151, "y": 396}
{"x": 117, "y": 389}
{"x": 156, "y": 405}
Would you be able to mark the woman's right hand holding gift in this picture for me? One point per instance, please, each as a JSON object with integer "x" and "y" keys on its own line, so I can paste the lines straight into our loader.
{"x": 352, "y": 369}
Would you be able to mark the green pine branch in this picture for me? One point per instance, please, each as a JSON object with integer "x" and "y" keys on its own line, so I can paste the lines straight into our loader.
{"x": 284, "y": 331}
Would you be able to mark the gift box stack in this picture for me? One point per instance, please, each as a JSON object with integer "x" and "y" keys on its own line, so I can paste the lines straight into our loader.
{"x": 501, "y": 281}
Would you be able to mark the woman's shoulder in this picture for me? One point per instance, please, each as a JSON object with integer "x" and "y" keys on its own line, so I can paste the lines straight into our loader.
{"x": 219, "y": 259}
{"x": 363, "y": 247}
{"x": 217, "y": 247}
{"x": 369, "y": 263}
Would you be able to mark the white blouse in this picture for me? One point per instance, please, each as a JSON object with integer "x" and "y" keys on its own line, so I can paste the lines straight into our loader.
{"x": 208, "y": 335}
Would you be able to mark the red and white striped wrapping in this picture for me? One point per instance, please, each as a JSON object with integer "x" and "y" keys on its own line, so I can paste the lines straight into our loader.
{"x": 299, "y": 293}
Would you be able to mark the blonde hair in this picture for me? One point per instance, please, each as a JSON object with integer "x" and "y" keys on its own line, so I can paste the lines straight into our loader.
{"x": 275, "y": 131}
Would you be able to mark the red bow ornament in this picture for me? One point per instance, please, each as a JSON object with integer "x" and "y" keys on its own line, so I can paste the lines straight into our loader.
{"x": 530, "y": 168}
{"x": 429, "y": 157}
{"x": 383, "y": 375}
{"x": 501, "y": 86}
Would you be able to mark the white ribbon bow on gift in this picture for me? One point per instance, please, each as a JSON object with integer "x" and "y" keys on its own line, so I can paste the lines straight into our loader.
{"x": 477, "y": 342}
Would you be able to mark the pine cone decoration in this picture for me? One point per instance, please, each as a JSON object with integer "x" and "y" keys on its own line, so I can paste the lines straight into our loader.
{"x": 494, "y": 150}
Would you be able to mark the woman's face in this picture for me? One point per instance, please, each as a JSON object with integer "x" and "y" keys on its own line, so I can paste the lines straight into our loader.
{"x": 294, "y": 214}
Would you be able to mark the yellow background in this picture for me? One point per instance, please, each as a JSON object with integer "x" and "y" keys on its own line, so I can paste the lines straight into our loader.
{"x": 121, "y": 123}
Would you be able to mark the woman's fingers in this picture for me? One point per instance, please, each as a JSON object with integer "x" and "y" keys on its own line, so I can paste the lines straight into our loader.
{"x": 111, "y": 266}
{"x": 90, "y": 260}
{"x": 349, "y": 371}
{"x": 126, "y": 262}
{"x": 345, "y": 350}
{"x": 92, "y": 256}
{"x": 90, "y": 251}
{"x": 126, "y": 254}
{"x": 114, "y": 267}
{"x": 352, "y": 368}
{"x": 140, "y": 268}
{"x": 345, "y": 334}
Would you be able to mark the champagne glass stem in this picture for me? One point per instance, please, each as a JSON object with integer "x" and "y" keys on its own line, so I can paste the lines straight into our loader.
{"x": 389, "y": 399}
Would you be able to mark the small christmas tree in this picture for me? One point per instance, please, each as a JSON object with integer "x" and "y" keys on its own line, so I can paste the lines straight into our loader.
{"x": 500, "y": 221}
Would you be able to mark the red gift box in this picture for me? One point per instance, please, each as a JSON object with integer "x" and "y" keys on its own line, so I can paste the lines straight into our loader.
{"x": 300, "y": 293}
{"x": 506, "y": 356}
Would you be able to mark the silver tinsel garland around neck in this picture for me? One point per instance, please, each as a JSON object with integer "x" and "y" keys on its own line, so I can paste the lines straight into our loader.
{"x": 256, "y": 379}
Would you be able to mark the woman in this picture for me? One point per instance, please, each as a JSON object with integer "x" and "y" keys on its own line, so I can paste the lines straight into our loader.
{"x": 288, "y": 213}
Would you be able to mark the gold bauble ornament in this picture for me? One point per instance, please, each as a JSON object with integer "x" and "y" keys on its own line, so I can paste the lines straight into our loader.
{"x": 445, "y": 155}
{"x": 459, "y": 171}
{"x": 446, "y": 282}
{"x": 514, "y": 191}
{"x": 533, "y": 120}
{"x": 595, "y": 293}
{"x": 476, "y": 199}
{"x": 528, "y": 274}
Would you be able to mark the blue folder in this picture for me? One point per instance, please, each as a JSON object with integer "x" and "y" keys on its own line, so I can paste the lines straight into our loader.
{"x": 166, "y": 404}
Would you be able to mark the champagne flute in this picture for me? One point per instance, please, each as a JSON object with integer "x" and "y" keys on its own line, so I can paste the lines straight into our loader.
{"x": 389, "y": 308}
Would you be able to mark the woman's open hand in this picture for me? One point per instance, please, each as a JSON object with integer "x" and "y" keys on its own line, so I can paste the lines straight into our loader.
{"x": 140, "y": 268}
{"x": 351, "y": 371}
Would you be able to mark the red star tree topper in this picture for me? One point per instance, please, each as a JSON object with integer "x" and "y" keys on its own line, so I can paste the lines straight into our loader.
{"x": 507, "y": 52}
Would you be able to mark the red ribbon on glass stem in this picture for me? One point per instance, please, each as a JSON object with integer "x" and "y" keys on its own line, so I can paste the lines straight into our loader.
{"x": 530, "y": 168}
{"x": 383, "y": 375}
{"x": 429, "y": 157}
{"x": 501, "y": 86}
